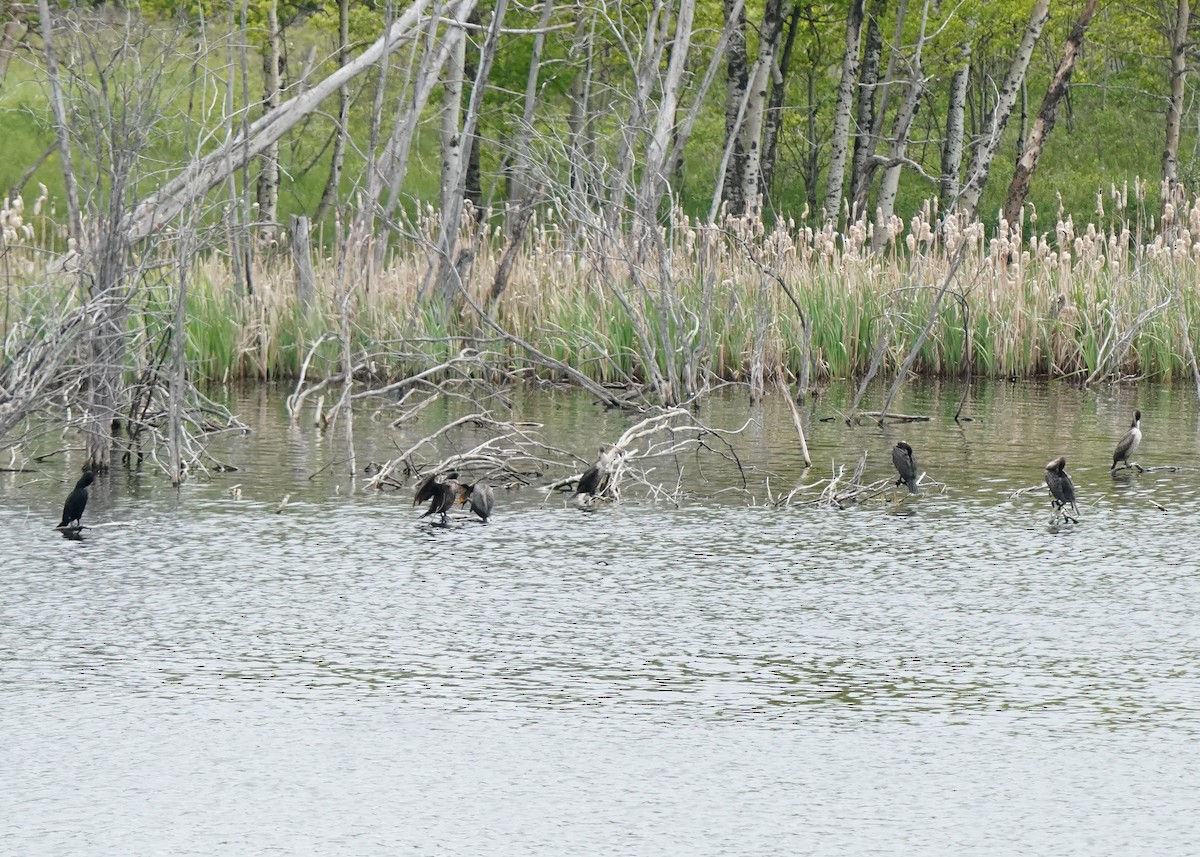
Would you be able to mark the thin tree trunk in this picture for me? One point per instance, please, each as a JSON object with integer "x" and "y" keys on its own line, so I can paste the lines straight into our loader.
{"x": 839, "y": 146}
{"x": 656, "y": 159}
{"x": 1179, "y": 46}
{"x": 473, "y": 176}
{"x": 523, "y": 182}
{"x": 268, "y": 177}
{"x": 451, "y": 127}
{"x": 61, "y": 127}
{"x": 774, "y": 14}
{"x": 952, "y": 149}
{"x": 868, "y": 85}
{"x": 737, "y": 79}
{"x": 884, "y": 94}
{"x": 156, "y": 210}
{"x": 645, "y": 82}
{"x": 775, "y": 104}
{"x": 890, "y": 185}
{"x": 1018, "y": 188}
{"x": 329, "y": 196}
{"x": 985, "y": 152}
{"x": 13, "y": 31}
{"x": 451, "y": 268}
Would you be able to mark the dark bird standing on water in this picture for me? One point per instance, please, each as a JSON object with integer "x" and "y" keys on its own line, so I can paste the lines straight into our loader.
{"x": 1128, "y": 444}
{"x": 906, "y": 466}
{"x": 479, "y": 497}
{"x": 77, "y": 501}
{"x": 1061, "y": 487}
{"x": 440, "y": 492}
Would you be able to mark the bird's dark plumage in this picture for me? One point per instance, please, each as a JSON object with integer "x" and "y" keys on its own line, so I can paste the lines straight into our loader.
{"x": 1129, "y": 443}
{"x": 592, "y": 482}
{"x": 906, "y": 466}
{"x": 441, "y": 492}
{"x": 77, "y": 501}
{"x": 1060, "y": 484}
{"x": 479, "y": 497}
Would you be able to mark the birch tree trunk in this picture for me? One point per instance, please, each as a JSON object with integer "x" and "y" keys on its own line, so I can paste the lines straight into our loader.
{"x": 864, "y": 143}
{"x": 647, "y": 68}
{"x": 952, "y": 149}
{"x": 268, "y": 177}
{"x": 839, "y": 145}
{"x": 451, "y": 268}
{"x": 580, "y": 143}
{"x": 659, "y": 146}
{"x": 451, "y": 126}
{"x": 756, "y": 107}
{"x": 780, "y": 74}
{"x": 329, "y": 196}
{"x": 890, "y": 185}
{"x": 198, "y": 177}
{"x": 737, "y": 79}
{"x": 523, "y": 182}
{"x": 1179, "y": 46}
{"x": 985, "y": 152}
{"x": 1018, "y": 188}
{"x": 473, "y": 175}
{"x": 61, "y": 127}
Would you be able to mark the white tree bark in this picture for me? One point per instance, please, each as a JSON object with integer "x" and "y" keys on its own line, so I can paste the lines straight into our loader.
{"x": 952, "y": 150}
{"x": 756, "y": 106}
{"x": 452, "y": 141}
{"x": 985, "y": 151}
{"x": 890, "y": 185}
{"x": 449, "y": 272}
{"x": 1179, "y": 46}
{"x": 268, "y": 177}
{"x": 839, "y": 146}
{"x": 656, "y": 164}
{"x": 158, "y": 209}
{"x": 523, "y": 185}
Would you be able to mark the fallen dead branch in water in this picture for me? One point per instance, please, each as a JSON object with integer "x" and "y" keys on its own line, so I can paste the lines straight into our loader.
{"x": 669, "y": 442}
{"x": 663, "y": 439}
{"x": 515, "y": 454}
{"x": 841, "y": 492}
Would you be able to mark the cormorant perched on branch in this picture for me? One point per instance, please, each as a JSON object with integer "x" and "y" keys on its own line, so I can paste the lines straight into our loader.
{"x": 479, "y": 497}
{"x": 1061, "y": 487}
{"x": 906, "y": 466}
{"x": 595, "y": 478}
{"x": 1128, "y": 444}
{"x": 441, "y": 493}
{"x": 77, "y": 501}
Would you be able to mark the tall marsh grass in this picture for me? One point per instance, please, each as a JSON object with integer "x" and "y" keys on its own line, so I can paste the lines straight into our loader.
{"x": 1107, "y": 299}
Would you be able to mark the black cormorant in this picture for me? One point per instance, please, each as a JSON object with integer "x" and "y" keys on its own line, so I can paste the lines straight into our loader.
{"x": 906, "y": 466}
{"x": 479, "y": 497}
{"x": 77, "y": 501}
{"x": 1128, "y": 444}
{"x": 1060, "y": 485}
{"x": 595, "y": 478}
{"x": 440, "y": 492}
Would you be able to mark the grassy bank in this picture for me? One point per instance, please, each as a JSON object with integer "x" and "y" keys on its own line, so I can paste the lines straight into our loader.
{"x": 1082, "y": 302}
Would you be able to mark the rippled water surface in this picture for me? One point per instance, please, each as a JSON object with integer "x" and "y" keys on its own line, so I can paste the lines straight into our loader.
{"x": 938, "y": 676}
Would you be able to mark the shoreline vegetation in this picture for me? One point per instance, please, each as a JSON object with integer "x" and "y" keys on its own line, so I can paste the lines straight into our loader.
{"x": 442, "y": 200}
{"x": 739, "y": 302}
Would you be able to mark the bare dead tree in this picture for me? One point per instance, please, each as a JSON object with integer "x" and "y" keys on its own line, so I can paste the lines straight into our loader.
{"x": 839, "y": 146}
{"x": 1018, "y": 188}
{"x": 985, "y": 150}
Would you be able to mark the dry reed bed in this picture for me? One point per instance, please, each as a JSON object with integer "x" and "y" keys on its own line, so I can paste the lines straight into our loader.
{"x": 1094, "y": 301}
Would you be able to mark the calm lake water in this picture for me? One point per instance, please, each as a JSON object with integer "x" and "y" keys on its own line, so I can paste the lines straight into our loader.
{"x": 944, "y": 675}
